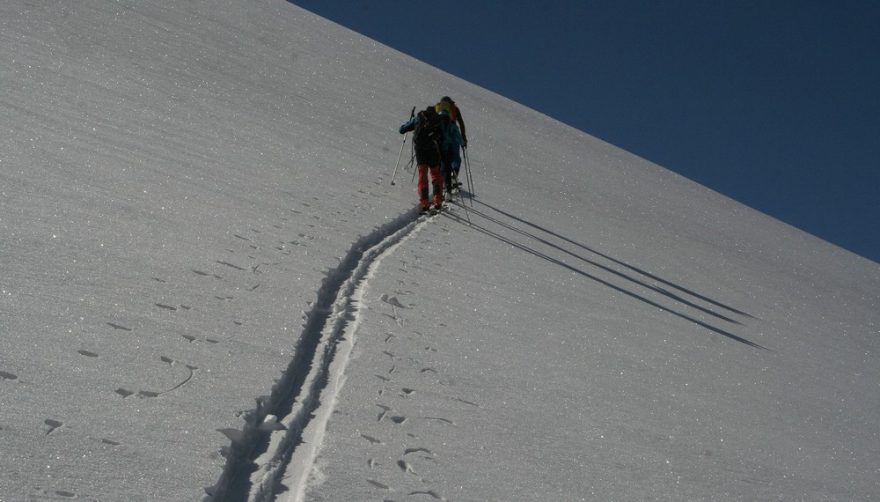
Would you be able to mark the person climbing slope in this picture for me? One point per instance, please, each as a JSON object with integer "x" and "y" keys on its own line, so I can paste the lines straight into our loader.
{"x": 446, "y": 103}
{"x": 428, "y": 138}
{"x": 450, "y": 153}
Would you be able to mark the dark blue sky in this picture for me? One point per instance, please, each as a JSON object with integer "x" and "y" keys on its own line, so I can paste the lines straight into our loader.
{"x": 773, "y": 103}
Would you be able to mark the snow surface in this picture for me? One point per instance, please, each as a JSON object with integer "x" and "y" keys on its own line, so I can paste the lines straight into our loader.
{"x": 210, "y": 287}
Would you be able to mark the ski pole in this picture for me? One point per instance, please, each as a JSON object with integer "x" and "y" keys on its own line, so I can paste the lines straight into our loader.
{"x": 468, "y": 175}
{"x": 398, "y": 159}
{"x": 411, "y": 115}
{"x": 464, "y": 206}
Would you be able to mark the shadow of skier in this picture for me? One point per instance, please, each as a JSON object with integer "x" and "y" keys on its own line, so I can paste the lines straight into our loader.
{"x": 619, "y": 289}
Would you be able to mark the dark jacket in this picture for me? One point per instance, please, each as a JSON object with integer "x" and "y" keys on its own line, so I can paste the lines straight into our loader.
{"x": 427, "y": 152}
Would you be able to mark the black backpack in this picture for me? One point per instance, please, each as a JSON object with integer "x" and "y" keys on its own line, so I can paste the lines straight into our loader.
{"x": 428, "y": 135}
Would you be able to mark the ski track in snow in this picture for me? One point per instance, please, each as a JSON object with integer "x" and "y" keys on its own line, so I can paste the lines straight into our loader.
{"x": 277, "y": 449}
{"x": 269, "y": 450}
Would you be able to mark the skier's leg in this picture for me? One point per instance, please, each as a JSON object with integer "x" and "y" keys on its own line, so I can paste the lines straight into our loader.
{"x": 456, "y": 166}
{"x": 446, "y": 168}
{"x": 437, "y": 181}
{"x": 423, "y": 186}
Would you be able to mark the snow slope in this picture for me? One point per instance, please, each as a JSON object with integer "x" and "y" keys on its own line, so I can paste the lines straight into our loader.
{"x": 198, "y": 231}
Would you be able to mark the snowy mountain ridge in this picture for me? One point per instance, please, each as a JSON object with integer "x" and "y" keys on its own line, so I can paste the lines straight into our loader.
{"x": 199, "y": 234}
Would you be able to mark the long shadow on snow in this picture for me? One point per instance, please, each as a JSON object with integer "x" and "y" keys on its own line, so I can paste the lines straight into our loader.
{"x": 580, "y": 272}
{"x": 611, "y": 259}
{"x": 608, "y": 269}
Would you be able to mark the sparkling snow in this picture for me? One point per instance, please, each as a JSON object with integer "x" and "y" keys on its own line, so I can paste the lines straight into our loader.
{"x": 210, "y": 287}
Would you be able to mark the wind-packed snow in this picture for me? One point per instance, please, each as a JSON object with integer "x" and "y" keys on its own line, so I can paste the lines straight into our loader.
{"x": 211, "y": 288}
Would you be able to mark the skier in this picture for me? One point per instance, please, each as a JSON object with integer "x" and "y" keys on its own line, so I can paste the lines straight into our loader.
{"x": 446, "y": 103}
{"x": 456, "y": 139}
{"x": 451, "y": 153}
{"x": 428, "y": 137}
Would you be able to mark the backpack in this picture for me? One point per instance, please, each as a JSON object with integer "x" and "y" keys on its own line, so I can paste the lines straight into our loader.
{"x": 449, "y": 107}
{"x": 443, "y": 106}
{"x": 428, "y": 134}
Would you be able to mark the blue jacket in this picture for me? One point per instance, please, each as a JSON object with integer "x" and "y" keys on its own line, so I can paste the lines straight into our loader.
{"x": 452, "y": 136}
{"x": 409, "y": 125}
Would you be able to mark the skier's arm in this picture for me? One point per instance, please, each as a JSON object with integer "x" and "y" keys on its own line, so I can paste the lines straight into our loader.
{"x": 461, "y": 126}
{"x": 409, "y": 125}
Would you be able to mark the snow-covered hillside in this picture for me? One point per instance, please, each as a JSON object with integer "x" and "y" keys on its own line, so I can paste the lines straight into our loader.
{"x": 197, "y": 232}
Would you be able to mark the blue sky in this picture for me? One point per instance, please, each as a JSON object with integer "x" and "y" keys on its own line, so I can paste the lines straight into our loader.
{"x": 773, "y": 103}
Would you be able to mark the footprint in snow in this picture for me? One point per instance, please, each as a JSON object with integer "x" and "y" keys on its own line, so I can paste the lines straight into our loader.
{"x": 385, "y": 410}
{"x": 405, "y": 467}
{"x": 371, "y": 439}
{"x": 206, "y": 274}
{"x": 393, "y": 301}
{"x": 188, "y": 369}
{"x": 53, "y": 424}
{"x": 430, "y": 493}
{"x": 439, "y": 419}
{"x": 410, "y": 451}
{"x": 124, "y": 392}
{"x": 466, "y": 402}
{"x": 378, "y": 484}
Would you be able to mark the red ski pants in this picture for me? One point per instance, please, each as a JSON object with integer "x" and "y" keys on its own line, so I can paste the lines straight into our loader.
{"x": 436, "y": 182}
